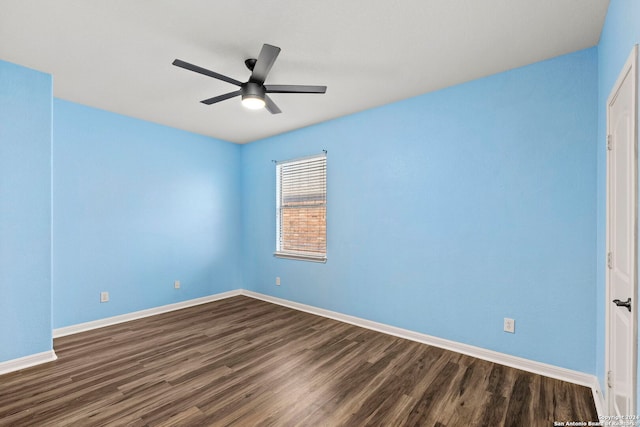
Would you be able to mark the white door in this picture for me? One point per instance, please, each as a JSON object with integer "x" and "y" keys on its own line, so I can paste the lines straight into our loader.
{"x": 622, "y": 303}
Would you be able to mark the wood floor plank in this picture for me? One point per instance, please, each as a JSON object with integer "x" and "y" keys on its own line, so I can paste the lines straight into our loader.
{"x": 246, "y": 362}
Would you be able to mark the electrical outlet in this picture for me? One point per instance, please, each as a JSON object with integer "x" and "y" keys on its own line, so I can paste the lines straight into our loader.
{"x": 176, "y": 284}
{"x": 509, "y": 325}
{"x": 104, "y": 296}
{"x": 277, "y": 281}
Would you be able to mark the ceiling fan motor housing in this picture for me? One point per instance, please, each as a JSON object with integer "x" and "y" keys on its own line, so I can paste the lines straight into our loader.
{"x": 252, "y": 90}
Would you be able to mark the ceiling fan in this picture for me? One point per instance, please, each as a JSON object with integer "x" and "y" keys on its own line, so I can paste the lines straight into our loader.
{"x": 254, "y": 91}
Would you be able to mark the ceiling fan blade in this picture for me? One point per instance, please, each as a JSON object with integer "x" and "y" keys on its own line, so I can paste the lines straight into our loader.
{"x": 221, "y": 97}
{"x": 294, "y": 89}
{"x": 195, "y": 68}
{"x": 271, "y": 106}
{"x": 265, "y": 61}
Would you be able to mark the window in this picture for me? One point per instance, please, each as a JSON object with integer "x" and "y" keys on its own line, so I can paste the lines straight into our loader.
{"x": 301, "y": 209}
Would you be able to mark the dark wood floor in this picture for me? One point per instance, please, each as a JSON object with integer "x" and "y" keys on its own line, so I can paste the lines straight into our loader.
{"x": 246, "y": 362}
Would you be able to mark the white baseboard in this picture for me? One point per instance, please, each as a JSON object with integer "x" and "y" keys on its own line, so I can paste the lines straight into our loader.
{"x": 27, "y": 361}
{"x": 108, "y": 321}
{"x": 598, "y": 398}
{"x": 540, "y": 368}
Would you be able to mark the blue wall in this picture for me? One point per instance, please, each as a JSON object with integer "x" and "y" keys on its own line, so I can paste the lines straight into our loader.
{"x": 621, "y": 31}
{"x": 452, "y": 210}
{"x": 25, "y": 212}
{"x": 136, "y": 206}
{"x": 447, "y": 212}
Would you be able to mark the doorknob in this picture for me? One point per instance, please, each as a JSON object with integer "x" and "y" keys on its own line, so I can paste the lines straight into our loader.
{"x": 626, "y": 303}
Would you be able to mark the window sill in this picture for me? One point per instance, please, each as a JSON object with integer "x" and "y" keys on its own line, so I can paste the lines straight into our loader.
{"x": 300, "y": 257}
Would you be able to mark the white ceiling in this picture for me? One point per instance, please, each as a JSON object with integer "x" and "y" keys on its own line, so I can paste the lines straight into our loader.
{"x": 116, "y": 54}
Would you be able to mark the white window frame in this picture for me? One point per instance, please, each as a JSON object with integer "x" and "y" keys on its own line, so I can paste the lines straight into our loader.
{"x": 300, "y": 254}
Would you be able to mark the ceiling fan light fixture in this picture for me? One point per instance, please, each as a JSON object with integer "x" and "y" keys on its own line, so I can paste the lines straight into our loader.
{"x": 253, "y": 102}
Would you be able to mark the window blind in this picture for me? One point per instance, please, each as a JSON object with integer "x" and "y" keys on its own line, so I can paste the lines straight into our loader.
{"x": 302, "y": 208}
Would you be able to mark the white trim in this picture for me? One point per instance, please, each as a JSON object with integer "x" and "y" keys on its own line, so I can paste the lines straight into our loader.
{"x": 100, "y": 323}
{"x": 598, "y": 398}
{"x": 27, "y": 361}
{"x": 630, "y": 68}
{"x": 540, "y": 368}
{"x": 300, "y": 257}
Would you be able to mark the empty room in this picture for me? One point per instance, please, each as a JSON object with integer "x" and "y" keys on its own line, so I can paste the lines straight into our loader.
{"x": 382, "y": 213}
